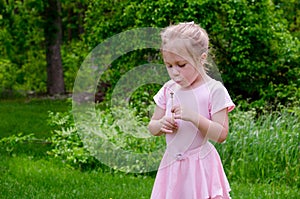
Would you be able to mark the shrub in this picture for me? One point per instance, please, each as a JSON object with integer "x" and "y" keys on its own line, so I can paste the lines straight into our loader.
{"x": 8, "y": 75}
{"x": 260, "y": 149}
{"x": 255, "y": 52}
{"x": 73, "y": 54}
{"x": 102, "y": 134}
{"x": 66, "y": 142}
{"x": 11, "y": 143}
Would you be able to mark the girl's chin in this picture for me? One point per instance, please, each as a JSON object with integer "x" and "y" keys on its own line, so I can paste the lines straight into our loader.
{"x": 182, "y": 84}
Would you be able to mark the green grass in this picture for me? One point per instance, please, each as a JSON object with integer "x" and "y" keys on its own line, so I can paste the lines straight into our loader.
{"x": 23, "y": 177}
{"x": 28, "y": 116}
{"x": 263, "y": 149}
{"x": 26, "y": 177}
{"x": 29, "y": 173}
{"x": 263, "y": 191}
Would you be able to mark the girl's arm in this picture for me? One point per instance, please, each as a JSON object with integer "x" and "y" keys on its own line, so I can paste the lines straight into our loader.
{"x": 215, "y": 129}
{"x": 160, "y": 124}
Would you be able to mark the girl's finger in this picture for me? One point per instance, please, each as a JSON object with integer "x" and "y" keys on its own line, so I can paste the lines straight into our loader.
{"x": 177, "y": 116}
{"x": 174, "y": 108}
{"x": 166, "y": 131}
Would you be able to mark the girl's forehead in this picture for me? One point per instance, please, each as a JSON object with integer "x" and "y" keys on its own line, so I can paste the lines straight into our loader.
{"x": 173, "y": 56}
{"x": 177, "y": 48}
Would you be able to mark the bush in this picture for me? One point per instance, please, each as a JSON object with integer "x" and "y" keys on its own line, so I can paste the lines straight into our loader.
{"x": 73, "y": 54}
{"x": 66, "y": 142}
{"x": 258, "y": 149}
{"x": 101, "y": 135}
{"x": 8, "y": 75}
{"x": 11, "y": 143}
{"x": 254, "y": 51}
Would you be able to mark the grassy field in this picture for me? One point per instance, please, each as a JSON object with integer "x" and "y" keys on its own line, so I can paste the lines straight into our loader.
{"x": 26, "y": 177}
{"x": 27, "y": 116}
{"x": 30, "y": 173}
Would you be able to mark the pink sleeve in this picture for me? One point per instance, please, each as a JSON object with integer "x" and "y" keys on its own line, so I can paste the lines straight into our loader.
{"x": 220, "y": 99}
{"x": 160, "y": 98}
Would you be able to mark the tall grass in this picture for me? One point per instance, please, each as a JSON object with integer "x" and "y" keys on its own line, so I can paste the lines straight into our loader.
{"x": 263, "y": 149}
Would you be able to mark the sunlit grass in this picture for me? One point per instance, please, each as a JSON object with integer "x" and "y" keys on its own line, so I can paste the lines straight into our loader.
{"x": 25, "y": 177}
{"x": 260, "y": 156}
{"x": 263, "y": 149}
{"x": 28, "y": 116}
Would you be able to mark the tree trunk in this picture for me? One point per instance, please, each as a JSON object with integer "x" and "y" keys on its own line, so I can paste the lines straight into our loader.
{"x": 53, "y": 36}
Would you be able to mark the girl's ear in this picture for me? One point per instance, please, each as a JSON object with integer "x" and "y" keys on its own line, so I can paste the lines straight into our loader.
{"x": 203, "y": 56}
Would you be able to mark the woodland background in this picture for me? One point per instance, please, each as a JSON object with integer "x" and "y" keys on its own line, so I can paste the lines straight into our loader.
{"x": 255, "y": 43}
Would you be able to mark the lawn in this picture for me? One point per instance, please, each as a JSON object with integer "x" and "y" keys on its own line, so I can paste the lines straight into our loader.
{"x": 27, "y": 177}
{"x": 28, "y": 116}
{"x": 29, "y": 173}
{"x": 24, "y": 177}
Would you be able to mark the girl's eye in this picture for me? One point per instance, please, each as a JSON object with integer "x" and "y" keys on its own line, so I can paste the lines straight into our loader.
{"x": 169, "y": 66}
{"x": 181, "y": 65}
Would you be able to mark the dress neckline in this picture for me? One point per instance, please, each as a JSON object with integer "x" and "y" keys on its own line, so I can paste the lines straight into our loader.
{"x": 178, "y": 88}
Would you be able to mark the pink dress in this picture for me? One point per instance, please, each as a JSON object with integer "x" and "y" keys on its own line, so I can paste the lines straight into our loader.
{"x": 191, "y": 167}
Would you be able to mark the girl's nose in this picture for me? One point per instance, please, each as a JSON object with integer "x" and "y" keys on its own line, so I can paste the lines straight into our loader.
{"x": 175, "y": 70}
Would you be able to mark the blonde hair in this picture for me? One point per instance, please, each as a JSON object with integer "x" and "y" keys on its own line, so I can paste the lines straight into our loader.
{"x": 188, "y": 40}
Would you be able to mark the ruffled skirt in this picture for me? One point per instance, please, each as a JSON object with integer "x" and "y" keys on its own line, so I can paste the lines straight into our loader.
{"x": 195, "y": 174}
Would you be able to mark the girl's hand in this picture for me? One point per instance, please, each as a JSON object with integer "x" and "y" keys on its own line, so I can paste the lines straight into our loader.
{"x": 183, "y": 113}
{"x": 168, "y": 125}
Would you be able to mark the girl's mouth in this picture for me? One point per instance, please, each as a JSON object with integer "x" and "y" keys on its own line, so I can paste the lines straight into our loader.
{"x": 177, "y": 80}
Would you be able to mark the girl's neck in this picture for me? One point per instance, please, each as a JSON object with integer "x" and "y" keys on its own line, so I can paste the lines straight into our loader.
{"x": 200, "y": 80}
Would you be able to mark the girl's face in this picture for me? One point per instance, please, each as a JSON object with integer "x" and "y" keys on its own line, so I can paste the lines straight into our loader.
{"x": 180, "y": 70}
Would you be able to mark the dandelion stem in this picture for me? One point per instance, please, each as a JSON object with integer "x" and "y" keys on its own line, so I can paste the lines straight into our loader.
{"x": 172, "y": 104}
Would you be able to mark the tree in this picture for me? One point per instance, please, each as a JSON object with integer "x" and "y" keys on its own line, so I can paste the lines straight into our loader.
{"x": 53, "y": 36}
{"x": 255, "y": 52}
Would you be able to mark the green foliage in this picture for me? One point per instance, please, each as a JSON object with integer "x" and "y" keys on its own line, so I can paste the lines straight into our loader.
{"x": 118, "y": 127}
{"x": 7, "y": 75}
{"x": 255, "y": 43}
{"x": 258, "y": 49}
{"x": 142, "y": 100}
{"x": 66, "y": 142}
{"x": 289, "y": 10}
{"x": 23, "y": 129}
{"x": 253, "y": 48}
{"x": 73, "y": 54}
{"x": 260, "y": 149}
{"x": 260, "y": 155}
{"x": 263, "y": 149}
{"x": 21, "y": 41}
{"x": 22, "y": 44}
{"x": 10, "y": 144}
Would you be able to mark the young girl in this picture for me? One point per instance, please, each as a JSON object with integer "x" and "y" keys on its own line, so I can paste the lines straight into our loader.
{"x": 191, "y": 109}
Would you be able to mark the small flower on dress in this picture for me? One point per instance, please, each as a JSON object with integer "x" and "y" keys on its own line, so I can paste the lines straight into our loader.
{"x": 179, "y": 156}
